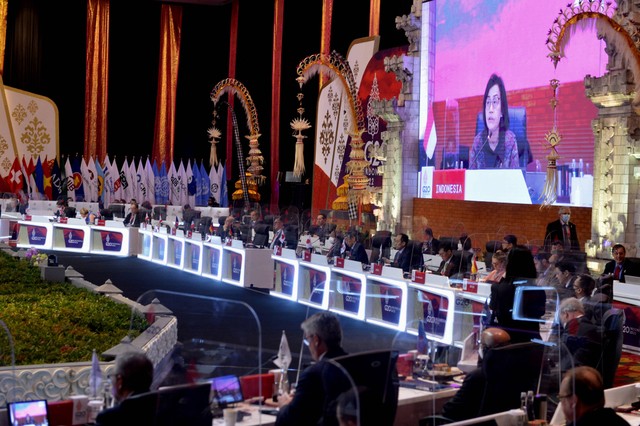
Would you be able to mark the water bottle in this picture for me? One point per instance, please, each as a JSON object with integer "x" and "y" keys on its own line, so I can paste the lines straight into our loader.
{"x": 573, "y": 168}
{"x": 580, "y": 168}
{"x": 538, "y": 166}
{"x": 587, "y": 169}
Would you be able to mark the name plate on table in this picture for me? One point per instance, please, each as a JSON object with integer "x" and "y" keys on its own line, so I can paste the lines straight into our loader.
{"x": 289, "y": 253}
{"x": 377, "y": 269}
{"x": 339, "y": 262}
{"x": 63, "y": 220}
{"x": 306, "y": 256}
{"x": 470, "y": 287}
{"x": 27, "y": 217}
{"x": 418, "y": 277}
{"x": 100, "y": 222}
{"x": 319, "y": 259}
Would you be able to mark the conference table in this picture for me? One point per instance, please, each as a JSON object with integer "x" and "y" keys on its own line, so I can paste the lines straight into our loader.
{"x": 109, "y": 238}
{"x": 413, "y": 404}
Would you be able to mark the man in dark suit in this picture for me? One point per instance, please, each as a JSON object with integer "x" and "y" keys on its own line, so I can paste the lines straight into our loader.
{"x": 616, "y": 270}
{"x": 312, "y": 402}
{"x": 450, "y": 264}
{"x": 130, "y": 383}
{"x": 562, "y": 230}
{"x": 133, "y": 217}
{"x": 620, "y": 266}
{"x": 467, "y": 402}
{"x": 355, "y": 248}
{"x": 430, "y": 245}
{"x": 579, "y": 335}
{"x": 278, "y": 234}
{"x": 402, "y": 258}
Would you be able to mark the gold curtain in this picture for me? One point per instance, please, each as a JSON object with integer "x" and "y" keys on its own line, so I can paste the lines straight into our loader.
{"x": 97, "y": 79}
{"x": 374, "y": 18}
{"x": 3, "y": 31}
{"x": 170, "y": 33}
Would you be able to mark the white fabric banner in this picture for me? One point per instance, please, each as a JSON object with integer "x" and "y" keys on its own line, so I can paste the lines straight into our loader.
{"x": 334, "y": 113}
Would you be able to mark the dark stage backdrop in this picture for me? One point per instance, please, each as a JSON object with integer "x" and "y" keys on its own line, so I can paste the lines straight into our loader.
{"x": 45, "y": 54}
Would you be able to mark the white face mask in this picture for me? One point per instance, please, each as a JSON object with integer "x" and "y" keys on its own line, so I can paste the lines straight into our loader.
{"x": 565, "y": 218}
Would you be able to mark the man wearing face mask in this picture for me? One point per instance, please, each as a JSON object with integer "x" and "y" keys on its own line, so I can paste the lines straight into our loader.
{"x": 562, "y": 230}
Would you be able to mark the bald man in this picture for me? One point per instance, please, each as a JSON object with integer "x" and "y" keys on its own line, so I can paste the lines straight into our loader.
{"x": 466, "y": 403}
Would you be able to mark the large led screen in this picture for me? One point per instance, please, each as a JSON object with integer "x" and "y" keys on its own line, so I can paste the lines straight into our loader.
{"x": 485, "y": 102}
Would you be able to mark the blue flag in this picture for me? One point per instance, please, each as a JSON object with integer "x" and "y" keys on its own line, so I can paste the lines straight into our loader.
{"x": 157, "y": 184}
{"x": 204, "y": 185}
{"x": 56, "y": 181}
{"x": 164, "y": 186}
{"x": 39, "y": 176}
{"x": 195, "y": 181}
{"x": 76, "y": 168}
{"x": 224, "y": 196}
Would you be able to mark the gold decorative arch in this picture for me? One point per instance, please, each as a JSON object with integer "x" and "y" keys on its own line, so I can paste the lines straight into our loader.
{"x": 336, "y": 67}
{"x": 255, "y": 158}
{"x": 609, "y": 25}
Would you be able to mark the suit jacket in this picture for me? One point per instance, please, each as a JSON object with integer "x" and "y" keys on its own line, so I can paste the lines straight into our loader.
{"x": 137, "y": 410}
{"x": 431, "y": 247}
{"x": 277, "y": 240}
{"x": 312, "y": 403}
{"x": 583, "y": 340}
{"x": 466, "y": 403}
{"x": 628, "y": 268}
{"x": 554, "y": 233}
{"x": 452, "y": 268}
{"x": 403, "y": 259}
{"x": 132, "y": 220}
{"x": 358, "y": 253}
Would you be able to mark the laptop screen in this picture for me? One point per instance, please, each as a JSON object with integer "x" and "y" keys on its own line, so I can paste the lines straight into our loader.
{"x": 28, "y": 413}
{"x": 226, "y": 390}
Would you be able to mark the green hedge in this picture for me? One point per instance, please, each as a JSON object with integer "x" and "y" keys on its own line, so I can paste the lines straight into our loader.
{"x": 56, "y": 322}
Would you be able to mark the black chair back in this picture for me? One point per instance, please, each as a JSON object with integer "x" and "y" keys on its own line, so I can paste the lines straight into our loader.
{"x": 117, "y": 210}
{"x": 261, "y": 239}
{"x": 159, "y": 213}
{"x": 612, "y": 339}
{"x": 380, "y": 246}
{"x": 510, "y": 370}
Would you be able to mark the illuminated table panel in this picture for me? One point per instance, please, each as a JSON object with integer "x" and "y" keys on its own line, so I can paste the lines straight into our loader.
{"x": 146, "y": 243}
{"x": 193, "y": 254}
{"x": 347, "y": 289}
{"x": 114, "y": 240}
{"x": 37, "y": 232}
{"x": 235, "y": 271}
{"x": 159, "y": 247}
{"x": 74, "y": 237}
{"x": 175, "y": 250}
{"x": 286, "y": 275}
{"x": 313, "y": 282}
{"x": 386, "y": 302}
{"x": 435, "y": 307}
{"x": 211, "y": 259}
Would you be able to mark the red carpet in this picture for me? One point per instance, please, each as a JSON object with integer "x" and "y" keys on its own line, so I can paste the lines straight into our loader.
{"x": 628, "y": 369}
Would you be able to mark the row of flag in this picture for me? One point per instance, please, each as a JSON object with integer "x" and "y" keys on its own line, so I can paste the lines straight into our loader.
{"x": 83, "y": 180}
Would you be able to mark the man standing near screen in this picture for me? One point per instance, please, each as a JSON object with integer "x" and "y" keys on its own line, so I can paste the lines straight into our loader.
{"x": 495, "y": 147}
{"x": 562, "y": 230}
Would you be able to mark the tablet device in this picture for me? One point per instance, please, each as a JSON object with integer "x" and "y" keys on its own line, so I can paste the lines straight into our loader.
{"x": 28, "y": 413}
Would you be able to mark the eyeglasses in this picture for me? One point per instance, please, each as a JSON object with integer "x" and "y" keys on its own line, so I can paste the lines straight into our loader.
{"x": 306, "y": 340}
{"x": 493, "y": 102}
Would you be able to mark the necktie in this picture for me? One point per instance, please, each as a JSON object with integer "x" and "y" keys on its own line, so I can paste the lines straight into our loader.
{"x": 567, "y": 236}
{"x": 617, "y": 272}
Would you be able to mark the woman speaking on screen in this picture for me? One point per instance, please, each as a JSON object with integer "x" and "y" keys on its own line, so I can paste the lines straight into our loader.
{"x": 495, "y": 147}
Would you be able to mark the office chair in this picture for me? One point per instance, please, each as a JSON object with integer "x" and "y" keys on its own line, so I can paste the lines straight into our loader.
{"x": 380, "y": 246}
{"x": 612, "y": 339}
{"x": 261, "y": 239}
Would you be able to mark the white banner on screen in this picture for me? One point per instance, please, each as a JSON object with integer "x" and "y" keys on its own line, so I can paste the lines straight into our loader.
{"x": 426, "y": 182}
